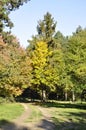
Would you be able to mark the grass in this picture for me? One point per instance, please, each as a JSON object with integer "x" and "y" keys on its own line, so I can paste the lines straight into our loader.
{"x": 10, "y": 111}
{"x": 60, "y": 104}
{"x": 67, "y": 116}
{"x": 35, "y": 114}
{"x": 69, "y": 119}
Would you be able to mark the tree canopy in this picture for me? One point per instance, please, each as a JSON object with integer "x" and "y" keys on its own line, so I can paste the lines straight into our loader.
{"x": 51, "y": 62}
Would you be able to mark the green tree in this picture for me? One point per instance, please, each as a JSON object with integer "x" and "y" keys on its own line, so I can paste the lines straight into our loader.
{"x": 76, "y": 60}
{"x": 46, "y": 28}
{"x": 55, "y": 65}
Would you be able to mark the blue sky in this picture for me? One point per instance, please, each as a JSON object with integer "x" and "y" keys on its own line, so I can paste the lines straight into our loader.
{"x": 69, "y": 14}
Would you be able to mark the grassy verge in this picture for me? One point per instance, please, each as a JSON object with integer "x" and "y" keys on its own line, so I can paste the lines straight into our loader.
{"x": 8, "y": 112}
{"x": 35, "y": 115}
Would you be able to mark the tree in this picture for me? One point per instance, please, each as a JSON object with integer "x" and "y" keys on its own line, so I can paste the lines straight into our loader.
{"x": 76, "y": 60}
{"x": 39, "y": 63}
{"x": 55, "y": 64}
{"x": 15, "y": 69}
{"x": 46, "y": 28}
{"x": 46, "y": 31}
{"x": 79, "y": 28}
{"x": 5, "y": 7}
{"x": 10, "y": 39}
{"x": 47, "y": 67}
{"x": 60, "y": 40}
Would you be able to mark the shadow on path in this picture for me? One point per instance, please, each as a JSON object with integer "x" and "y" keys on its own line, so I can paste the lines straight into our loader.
{"x": 46, "y": 125}
{"x": 7, "y": 125}
{"x": 19, "y": 124}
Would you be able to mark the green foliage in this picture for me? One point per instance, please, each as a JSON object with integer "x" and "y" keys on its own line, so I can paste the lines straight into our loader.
{"x": 51, "y": 62}
{"x": 47, "y": 56}
{"x": 46, "y": 28}
{"x": 64, "y": 66}
{"x": 76, "y": 60}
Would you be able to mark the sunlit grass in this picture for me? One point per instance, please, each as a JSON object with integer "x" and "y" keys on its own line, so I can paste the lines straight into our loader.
{"x": 67, "y": 116}
{"x": 35, "y": 114}
{"x": 10, "y": 111}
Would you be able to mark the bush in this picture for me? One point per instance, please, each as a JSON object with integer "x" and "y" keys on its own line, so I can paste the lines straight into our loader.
{"x": 6, "y": 100}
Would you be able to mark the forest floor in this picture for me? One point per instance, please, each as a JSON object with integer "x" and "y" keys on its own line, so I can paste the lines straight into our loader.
{"x": 45, "y": 123}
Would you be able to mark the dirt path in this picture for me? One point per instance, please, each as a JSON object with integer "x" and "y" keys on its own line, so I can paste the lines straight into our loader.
{"x": 45, "y": 124}
{"x": 18, "y": 124}
{"x": 25, "y": 115}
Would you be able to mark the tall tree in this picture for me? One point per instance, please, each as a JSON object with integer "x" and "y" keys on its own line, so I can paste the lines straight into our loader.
{"x": 46, "y": 28}
{"x": 39, "y": 63}
{"x": 76, "y": 60}
{"x": 46, "y": 32}
{"x": 15, "y": 69}
{"x": 55, "y": 65}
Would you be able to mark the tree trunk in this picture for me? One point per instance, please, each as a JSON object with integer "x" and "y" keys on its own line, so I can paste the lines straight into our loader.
{"x": 73, "y": 96}
{"x": 66, "y": 96}
{"x": 43, "y": 95}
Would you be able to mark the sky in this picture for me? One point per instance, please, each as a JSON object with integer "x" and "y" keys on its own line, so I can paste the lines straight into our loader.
{"x": 69, "y": 14}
